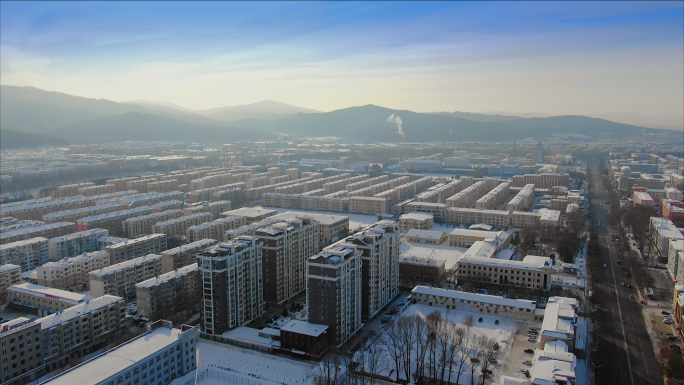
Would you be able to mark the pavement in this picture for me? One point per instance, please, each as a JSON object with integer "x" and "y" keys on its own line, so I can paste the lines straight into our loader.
{"x": 619, "y": 321}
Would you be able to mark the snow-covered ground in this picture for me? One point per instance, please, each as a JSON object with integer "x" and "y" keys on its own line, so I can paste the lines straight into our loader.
{"x": 503, "y": 334}
{"x": 574, "y": 282}
{"x": 248, "y": 365}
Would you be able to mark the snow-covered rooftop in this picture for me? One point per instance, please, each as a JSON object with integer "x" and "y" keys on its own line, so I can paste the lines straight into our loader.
{"x": 160, "y": 279}
{"x": 78, "y": 310}
{"x": 38, "y": 290}
{"x": 492, "y": 299}
{"x": 303, "y": 327}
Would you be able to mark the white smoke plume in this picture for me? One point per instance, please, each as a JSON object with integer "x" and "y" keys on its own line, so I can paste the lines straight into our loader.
{"x": 397, "y": 120}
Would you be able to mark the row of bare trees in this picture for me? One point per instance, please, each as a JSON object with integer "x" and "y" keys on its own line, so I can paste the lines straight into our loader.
{"x": 428, "y": 350}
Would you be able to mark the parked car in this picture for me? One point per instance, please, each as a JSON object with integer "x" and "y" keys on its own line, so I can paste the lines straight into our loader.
{"x": 479, "y": 319}
{"x": 527, "y": 362}
{"x": 529, "y": 351}
{"x": 664, "y": 313}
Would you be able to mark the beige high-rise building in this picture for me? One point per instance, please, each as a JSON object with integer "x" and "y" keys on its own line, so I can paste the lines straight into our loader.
{"x": 184, "y": 255}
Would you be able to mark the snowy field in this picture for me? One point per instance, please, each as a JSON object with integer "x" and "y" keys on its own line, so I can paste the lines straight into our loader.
{"x": 574, "y": 282}
{"x": 248, "y": 365}
{"x": 503, "y": 334}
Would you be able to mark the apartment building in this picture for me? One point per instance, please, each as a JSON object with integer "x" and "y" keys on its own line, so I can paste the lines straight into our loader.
{"x": 475, "y": 303}
{"x": 167, "y": 205}
{"x": 418, "y": 221}
{"x": 544, "y": 180}
{"x": 134, "y": 248}
{"x": 232, "y": 277}
{"x": 214, "y": 229}
{"x": 149, "y": 198}
{"x": 142, "y": 225}
{"x": 9, "y": 275}
{"x": 496, "y": 218}
{"x": 71, "y": 189}
{"x": 471, "y": 194}
{"x": 71, "y": 245}
{"x": 334, "y": 290}
{"x": 71, "y": 273}
{"x": 179, "y": 226}
{"x": 50, "y": 230}
{"x": 661, "y": 231}
{"x": 522, "y": 219}
{"x": 331, "y": 227}
{"x": 120, "y": 184}
{"x": 369, "y": 205}
{"x": 95, "y": 190}
{"x": 214, "y": 208}
{"x": 43, "y": 297}
{"x": 163, "y": 185}
{"x": 532, "y": 272}
{"x": 158, "y": 356}
{"x": 22, "y": 352}
{"x": 74, "y": 215}
{"x": 120, "y": 279}
{"x": 170, "y": 294}
{"x": 36, "y": 210}
{"x": 28, "y": 254}
{"x": 112, "y": 222}
{"x": 425, "y": 237}
{"x": 251, "y": 214}
{"x": 467, "y": 237}
{"x": 494, "y": 197}
{"x": 80, "y": 330}
{"x": 184, "y": 255}
{"x": 675, "y": 257}
{"x": 286, "y": 247}
{"x": 549, "y": 222}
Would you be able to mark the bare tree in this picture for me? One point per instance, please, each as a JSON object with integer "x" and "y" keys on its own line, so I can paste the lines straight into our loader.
{"x": 456, "y": 337}
{"x": 420, "y": 331}
{"x": 407, "y": 327}
{"x": 490, "y": 350}
{"x": 391, "y": 340}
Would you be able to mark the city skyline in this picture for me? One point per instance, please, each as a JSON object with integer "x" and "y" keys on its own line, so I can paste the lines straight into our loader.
{"x": 618, "y": 61}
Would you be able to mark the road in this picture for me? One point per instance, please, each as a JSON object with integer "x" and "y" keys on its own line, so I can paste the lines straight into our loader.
{"x": 627, "y": 354}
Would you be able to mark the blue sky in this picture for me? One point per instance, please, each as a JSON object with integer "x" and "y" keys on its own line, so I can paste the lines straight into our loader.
{"x": 554, "y": 58}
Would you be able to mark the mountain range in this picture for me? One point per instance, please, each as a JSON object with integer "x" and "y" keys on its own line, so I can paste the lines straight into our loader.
{"x": 58, "y": 118}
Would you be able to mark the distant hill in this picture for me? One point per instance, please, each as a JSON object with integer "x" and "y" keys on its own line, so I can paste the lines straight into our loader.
{"x": 10, "y": 139}
{"x": 371, "y": 123}
{"x": 30, "y": 109}
{"x": 150, "y": 127}
{"x": 479, "y": 117}
{"x": 264, "y": 110}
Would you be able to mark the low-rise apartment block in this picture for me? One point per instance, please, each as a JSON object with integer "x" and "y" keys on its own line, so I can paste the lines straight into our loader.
{"x": 50, "y": 230}
{"x": 467, "y": 237}
{"x": 74, "y": 215}
{"x": 9, "y": 275}
{"x": 214, "y": 208}
{"x": 134, "y": 248}
{"x": 142, "y": 225}
{"x": 661, "y": 231}
{"x": 251, "y": 214}
{"x": 112, "y": 222}
{"x": 214, "y": 229}
{"x": 71, "y": 245}
{"x": 179, "y": 226}
{"x": 28, "y": 254}
{"x": 418, "y": 221}
{"x": 475, "y": 303}
{"x": 522, "y": 219}
{"x": 71, "y": 273}
{"x": 170, "y": 294}
{"x": 232, "y": 277}
{"x": 184, "y": 255}
{"x": 120, "y": 279}
{"x": 426, "y": 237}
{"x": 532, "y": 272}
{"x": 140, "y": 360}
{"x": 549, "y": 222}
{"x": 43, "y": 297}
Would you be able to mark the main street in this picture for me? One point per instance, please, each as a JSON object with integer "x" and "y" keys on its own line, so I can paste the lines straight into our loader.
{"x": 627, "y": 355}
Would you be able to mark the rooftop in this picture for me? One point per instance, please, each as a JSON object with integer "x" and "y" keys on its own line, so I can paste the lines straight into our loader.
{"x": 416, "y": 216}
{"x": 33, "y": 289}
{"x": 323, "y": 219}
{"x": 8, "y": 267}
{"x": 429, "y": 234}
{"x": 492, "y": 299}
{"x": 78, "y": 310}
{"x": 303, "y": 327}
{"x": 206, "y": 242}
{"x": 164, "y": 278}
{"x": 531, "y": 262}
{"x": 125, "y": 265}
{"x": 119, "y": 359}
{"x": 136, "y": 240}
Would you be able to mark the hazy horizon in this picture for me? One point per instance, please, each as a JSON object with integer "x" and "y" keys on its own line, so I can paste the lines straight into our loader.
{"x": 610, "y": 60}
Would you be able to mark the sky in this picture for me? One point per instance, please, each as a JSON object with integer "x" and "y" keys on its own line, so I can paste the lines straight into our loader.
{"x": 623, "y": 60}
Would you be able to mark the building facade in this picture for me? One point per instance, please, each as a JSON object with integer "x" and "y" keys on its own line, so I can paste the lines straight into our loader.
{"x": 176, "y": 292}
{"x": 120, "y": 279}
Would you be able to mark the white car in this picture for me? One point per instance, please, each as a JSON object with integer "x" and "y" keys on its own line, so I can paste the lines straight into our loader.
{"x": 604, "y": 265}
